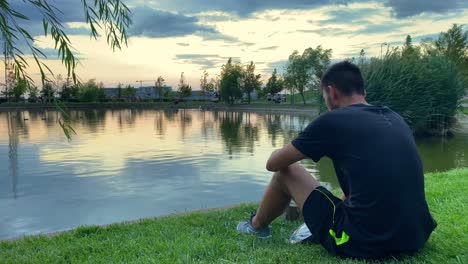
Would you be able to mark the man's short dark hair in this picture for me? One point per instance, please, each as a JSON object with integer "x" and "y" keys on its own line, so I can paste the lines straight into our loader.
{"x": 344, "y": 76}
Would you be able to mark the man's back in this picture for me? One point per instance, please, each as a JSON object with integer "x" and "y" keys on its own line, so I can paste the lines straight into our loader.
{"x": 378, "y": 167}
{"x": 380, "y": 172}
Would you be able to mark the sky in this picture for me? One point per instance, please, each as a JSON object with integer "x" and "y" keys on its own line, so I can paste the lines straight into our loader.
{"x": 168, "y": 37}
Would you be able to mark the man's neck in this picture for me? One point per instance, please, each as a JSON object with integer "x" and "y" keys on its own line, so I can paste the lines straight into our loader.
{"x": 352, "y": 100}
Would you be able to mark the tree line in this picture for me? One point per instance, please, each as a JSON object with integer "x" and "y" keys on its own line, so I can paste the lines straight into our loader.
{"x": 65, "y": 90}
{"x": 425, "y": 83}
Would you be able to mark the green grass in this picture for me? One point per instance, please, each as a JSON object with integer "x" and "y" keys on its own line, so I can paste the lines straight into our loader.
{"x": 309, "y": 95}
{"x": 210, "y": 237}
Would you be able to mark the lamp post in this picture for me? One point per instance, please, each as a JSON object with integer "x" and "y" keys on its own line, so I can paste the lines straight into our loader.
{"x": 381, "y": 46}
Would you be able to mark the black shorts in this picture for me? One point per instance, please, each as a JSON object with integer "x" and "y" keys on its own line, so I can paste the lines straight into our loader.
{"x": 325, "y": 222}
{"x": 325, "y": 219}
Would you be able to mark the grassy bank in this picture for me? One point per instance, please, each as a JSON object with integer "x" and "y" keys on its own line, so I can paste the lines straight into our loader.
{"x": 210, "y": 237}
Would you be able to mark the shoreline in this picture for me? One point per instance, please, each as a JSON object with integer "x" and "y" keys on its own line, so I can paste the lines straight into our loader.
{"x": 171, "y": 215}
{"x": 128, "y": 222}
{"x": 310, "y": 110}
{"x": 210, "y": 236}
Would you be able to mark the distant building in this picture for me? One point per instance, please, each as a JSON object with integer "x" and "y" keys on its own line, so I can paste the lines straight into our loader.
{"x": 149, "y": 93}
{"x": 111, "y": 93}
{"x": 199, "y": 96}
{"x": 142, "y": 93}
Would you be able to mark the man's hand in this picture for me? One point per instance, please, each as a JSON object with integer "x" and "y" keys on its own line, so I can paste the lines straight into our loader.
{"x": 281, "y": 159}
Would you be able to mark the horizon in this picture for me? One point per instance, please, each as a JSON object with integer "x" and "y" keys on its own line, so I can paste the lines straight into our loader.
{"x": 170, "y": 37}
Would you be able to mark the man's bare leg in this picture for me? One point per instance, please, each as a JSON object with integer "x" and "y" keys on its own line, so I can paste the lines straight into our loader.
{"x": 291, "y": 183}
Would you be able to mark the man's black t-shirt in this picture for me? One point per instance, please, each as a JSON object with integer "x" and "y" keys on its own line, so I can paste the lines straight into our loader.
{"x": 380, "y": 172}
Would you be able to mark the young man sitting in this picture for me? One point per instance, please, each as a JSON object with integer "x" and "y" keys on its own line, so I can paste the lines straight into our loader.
{"x": 383, "y": 210}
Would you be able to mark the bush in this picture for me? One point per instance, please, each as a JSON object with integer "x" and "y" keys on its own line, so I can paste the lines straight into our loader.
{"x": 426, "y": 90}
{"x": 91, "y": 93}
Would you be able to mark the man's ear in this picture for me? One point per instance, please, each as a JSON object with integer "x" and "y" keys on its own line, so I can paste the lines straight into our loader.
{"x": 334, "y": 93}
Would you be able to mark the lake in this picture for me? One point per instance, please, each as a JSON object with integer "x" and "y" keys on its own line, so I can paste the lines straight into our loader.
{"x": 130, "y": 164}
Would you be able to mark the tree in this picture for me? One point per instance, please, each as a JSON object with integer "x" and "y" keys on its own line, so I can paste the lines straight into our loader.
{"x": 205, "y": 85}
{"x": 20, "y": 89}
{"x": 167, "y": 91}
{"x": 159, "y": 87}
{"x": 112, "y": 16}
{"x": 185, "y": 90}
{"x": 215, "y": 83}
{"x": 48, "y": 92}
{"x": 119, "y": 91}
{"x": 58, "y": 82}
{"x": 230, "y": 82}
{"x": 274, "y": 84}
{"x": 251, "y": 81}
{"x": 91, "y": 92}
{"x": 409, "y": 51}
{"x": 453, "y": 44}
{"x": 289, "y": 83}
{"x": 362, "y": 57}
{"x": 306, "y": 70}
{"x": 204, "y": 81}
{"x": 69, "y": 91}
{"x": 33, "y": 93}
{"x": 129, "y": 92}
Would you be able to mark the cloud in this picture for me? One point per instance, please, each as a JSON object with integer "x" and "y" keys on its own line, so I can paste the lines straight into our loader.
{"x": 424, "y": 37}
{"x": 149, "y": 22}
{"x": 327, "y": 31}
{"x": 154, "y": 23}
{"x": 269, "y": 48}
{"x": 272, "y": 34}
{"x": 241, "y": 8}
{"x": 272, "y": 18}
{"x": 196, "y": 56}
{"x": 380, "y": 28}
{"x": 216, "y": 16}
{"x": 346, "y": 16}
{"x": 406, "y": 8}
{"x": 401, "y": 8}
{"x": 216, "y": 35}
{"x": 67, "y": 10}
{"x": 67, "y": 13}
{"x": 206, "y": 61}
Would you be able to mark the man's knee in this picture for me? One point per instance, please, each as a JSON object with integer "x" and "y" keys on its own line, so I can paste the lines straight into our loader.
{"x": 293, "y": 173}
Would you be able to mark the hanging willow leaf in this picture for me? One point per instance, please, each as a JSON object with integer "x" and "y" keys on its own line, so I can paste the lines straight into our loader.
{"x": 64, "y": 120}
{"x": 109, "y": 16}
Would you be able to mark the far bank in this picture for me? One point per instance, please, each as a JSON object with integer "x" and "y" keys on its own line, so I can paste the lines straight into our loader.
{"x": 309, "y": 109}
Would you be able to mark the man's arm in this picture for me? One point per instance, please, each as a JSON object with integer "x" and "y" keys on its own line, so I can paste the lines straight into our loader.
{"x": 281, "y": 159}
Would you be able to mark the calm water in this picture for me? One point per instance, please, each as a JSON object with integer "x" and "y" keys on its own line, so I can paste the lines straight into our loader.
{"x": 131, "y": 164}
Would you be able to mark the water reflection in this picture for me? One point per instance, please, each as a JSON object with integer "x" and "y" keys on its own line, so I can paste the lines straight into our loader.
{"x": 230, "y": 124}
{"x": 128, "y": 164}
{"x": 12, "y": 120}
